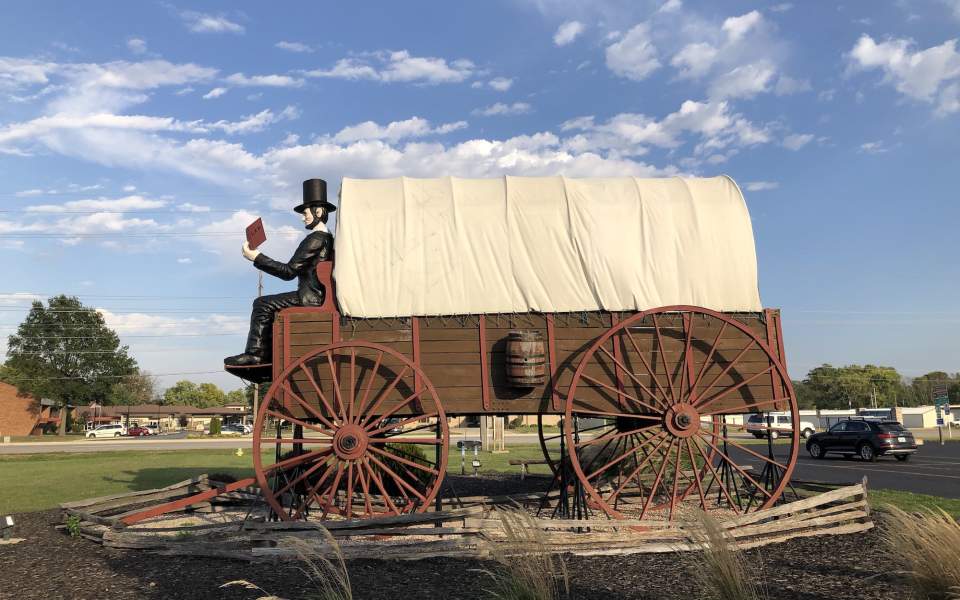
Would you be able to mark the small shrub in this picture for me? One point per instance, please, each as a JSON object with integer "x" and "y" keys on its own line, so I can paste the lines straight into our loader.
{"x": 73, "y": 525}
{"x": 720, "y": 570}
{"x": 515, "y": 423}
{"x": 215, "y": 426}
{"x": 928, "y": 544}
{"x": 530, "y": 571}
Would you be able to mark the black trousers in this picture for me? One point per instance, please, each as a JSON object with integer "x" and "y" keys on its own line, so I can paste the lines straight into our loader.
{"x": 259, "y": 340}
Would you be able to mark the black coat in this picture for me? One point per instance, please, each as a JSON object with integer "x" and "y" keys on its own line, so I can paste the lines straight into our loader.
{"x": 316, "y": 247}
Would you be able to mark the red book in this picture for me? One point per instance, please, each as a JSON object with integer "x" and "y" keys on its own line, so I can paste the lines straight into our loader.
{"x": 255, "y": 234}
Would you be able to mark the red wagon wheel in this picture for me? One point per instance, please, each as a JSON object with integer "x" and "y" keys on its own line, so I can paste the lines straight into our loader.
{"x": 659, "y": 399}
{"x": 343, "y": 431}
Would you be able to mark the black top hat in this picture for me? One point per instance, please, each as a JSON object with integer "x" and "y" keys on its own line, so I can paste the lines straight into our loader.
{"x": 315, "y": 194}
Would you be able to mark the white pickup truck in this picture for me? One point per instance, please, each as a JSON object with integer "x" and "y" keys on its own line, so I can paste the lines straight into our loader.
{"x": 780, "y": 424}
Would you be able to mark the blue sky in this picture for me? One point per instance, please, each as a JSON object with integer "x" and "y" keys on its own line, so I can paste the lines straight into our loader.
{"x": 138, "y": 138}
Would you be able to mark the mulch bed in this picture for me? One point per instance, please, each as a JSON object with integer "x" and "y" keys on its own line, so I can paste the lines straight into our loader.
{"x": 50, "y": 564}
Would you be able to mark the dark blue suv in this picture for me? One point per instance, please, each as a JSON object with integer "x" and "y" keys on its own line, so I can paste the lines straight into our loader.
{"x": 866, "y": 438}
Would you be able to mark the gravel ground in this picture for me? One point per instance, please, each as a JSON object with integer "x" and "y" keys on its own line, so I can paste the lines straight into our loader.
{"x": 50, "y": 564}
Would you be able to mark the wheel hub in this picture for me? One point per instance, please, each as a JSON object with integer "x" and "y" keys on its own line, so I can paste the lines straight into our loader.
{"x": 350, "y": 442}
{"x": 682, "y": 420}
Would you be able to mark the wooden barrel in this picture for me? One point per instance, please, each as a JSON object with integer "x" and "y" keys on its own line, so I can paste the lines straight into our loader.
{"x": 526, "y": 361}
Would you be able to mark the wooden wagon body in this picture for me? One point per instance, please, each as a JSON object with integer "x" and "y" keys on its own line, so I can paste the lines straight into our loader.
{"x": 643, "y": 395}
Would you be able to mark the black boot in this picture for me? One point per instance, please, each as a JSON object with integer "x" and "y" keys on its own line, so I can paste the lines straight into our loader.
{"x": 243, "y": 360}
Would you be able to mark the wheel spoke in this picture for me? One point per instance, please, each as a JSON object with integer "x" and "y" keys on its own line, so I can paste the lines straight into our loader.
{"x": 686, "y": 366}
{"x": 774, "y": 401}
{"x": 296, "y": 460}
{"x": 407, "y": 421}
{"x": 365, "y": 486}
{"x": 735, "y": 466}
{"x": 366, "y": 392}
{"x": 299, "y": 478}
{"x": 727, "y": 369}
{"x": 663, "y": 358}
{"x": 311, "y": 493}
{"x": 631, "y": 450}
{"x": 617, "y": 391}
{"x": 748, "y": 450}
{"x": 404, "y": 461}
{"x": 636, "y": 471}
{"x": 656, "y": 483}
{"x": 337, "y": 394}
{"x": 387, "y": 502}
{"x": 676, "y": 483}
{"x": 316, "y": 388}
{"x": 311, "y": 426}
{"x": 382, "y": 396}
{"x": 601, "y": 438}
{"x": 402, "y": 404}
{"x": 716, "y": 476}
{"x": 706, "y": 362}
{"x": 403, "y": 440}
{"x": 331, "y": 502}
{"x": 399, "y": 479}
{"x": 728, "y": 391}
{"x": 646, "y": 365}
{"x": 349, "y": 501}
{"x": 696, "y": 474}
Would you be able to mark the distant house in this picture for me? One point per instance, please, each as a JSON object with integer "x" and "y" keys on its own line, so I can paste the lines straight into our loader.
{"x": 25, "y": 414}
{"x": 164, "y": 416}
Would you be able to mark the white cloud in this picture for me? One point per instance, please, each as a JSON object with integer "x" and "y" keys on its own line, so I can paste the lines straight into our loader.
{"x": 29, "y": 193}
{"x": 737, "y": 27}
{"x": 293, "y": 46}
{"x": 782, "y": 7}
{"x": 137, "y": 45}
{"x": 743, "y": 82}
{"x": 787, "y": 85}
{"x": 633, "y": 56}
{"x": 198, "y": 22}
{"x": 257, "y": 122}
{"x": 567, "y": 32}
{"x": 129, "y": 188}
{"x": 127, "y": 203}
{"x": 145, "y": 323}
{"x": 215, "y": 93}
{"x": 414, "y": 127}
{"x": 19, "y": 298}
{"x": 670, "y": 6}
{"x": 761, "y": 186}
{"x": 877, "y": 147}
{"x": 923, "y": 75}
{"x": 189, "y": 207}
{"x": 185, "y": 260}
{"x": 501, "y": 109}
{"x": 264, "y": 80}
{"x": 694, "y": 60}
{"x": 501, "y": 84}
{"x": 797, "y": 140}
{"x": 713, "y": 124}
{"x": 954, "y": 6}
{"x": 399, "y": 67}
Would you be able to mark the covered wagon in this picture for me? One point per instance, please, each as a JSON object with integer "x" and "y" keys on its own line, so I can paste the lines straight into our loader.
{"x": 629, "y": 306}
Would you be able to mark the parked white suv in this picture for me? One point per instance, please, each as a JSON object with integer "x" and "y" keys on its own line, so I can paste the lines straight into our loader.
{"x": 107, "y": 431}
{"x": 780, "y": 424}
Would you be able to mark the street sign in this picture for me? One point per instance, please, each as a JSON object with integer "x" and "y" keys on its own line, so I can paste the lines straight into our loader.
{"x": 939, "y": 421}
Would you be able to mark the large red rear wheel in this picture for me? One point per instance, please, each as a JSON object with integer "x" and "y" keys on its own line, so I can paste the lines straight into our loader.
{"x": 345, "y": 431}
{"x": 656, "y": 389}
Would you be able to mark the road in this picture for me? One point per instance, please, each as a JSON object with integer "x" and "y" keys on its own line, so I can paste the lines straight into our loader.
{"x": 935, "y": 469}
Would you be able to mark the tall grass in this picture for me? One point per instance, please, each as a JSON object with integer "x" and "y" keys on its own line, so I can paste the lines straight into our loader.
{"x": 719, "y": 570}
{"x": 528, "y": 570}
{"x": 328, "y": 577}
{"x": 928, "y": 545}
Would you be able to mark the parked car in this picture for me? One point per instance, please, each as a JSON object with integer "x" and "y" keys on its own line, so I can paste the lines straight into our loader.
{"x": 136, "y": 430}
{"x": 154, "y": 430}
{"x": 866, "y": 438}
{"x": 231, "y": 429}
{"x": 780, "y": 424}
{"x": 107, "y": 431}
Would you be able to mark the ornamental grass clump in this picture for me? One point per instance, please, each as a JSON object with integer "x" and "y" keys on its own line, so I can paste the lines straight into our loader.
{"x": 928, "y": 545}
{"x": 529, "y": 570}
{"x": 719, "y": 569}
{"x": 323, "y": 565}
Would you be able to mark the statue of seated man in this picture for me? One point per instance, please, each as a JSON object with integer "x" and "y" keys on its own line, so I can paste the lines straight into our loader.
{"x": 316, "y": 247}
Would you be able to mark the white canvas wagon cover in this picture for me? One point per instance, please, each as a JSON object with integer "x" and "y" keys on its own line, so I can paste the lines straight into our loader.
{"x": 415, "y": 247}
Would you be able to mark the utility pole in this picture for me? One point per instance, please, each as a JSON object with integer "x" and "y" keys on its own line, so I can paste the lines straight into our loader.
{"x": 256, "y": 386}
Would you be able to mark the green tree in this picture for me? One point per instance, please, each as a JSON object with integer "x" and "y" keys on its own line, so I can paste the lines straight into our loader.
{"x": 236, "y": 397}
{"x": 66, "y": 353}
{"x": 920, "y": 391}
{"x": 852, "y": 386}
{"x": 136, "y": 388}
{"x": 189, "y": 393}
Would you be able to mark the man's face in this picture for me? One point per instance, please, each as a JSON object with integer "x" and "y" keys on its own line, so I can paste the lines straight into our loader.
{"x": 311, "y": 216}
{"x": 307, "y": 216}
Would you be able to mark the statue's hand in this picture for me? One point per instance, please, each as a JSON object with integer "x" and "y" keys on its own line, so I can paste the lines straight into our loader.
{"x": 248, "y": 252}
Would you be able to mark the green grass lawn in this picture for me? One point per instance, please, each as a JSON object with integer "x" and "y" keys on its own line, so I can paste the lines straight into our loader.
{"x": 34, "y": 482}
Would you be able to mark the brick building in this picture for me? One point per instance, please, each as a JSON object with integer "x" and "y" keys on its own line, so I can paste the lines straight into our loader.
{"x": 23, "y": 414}
{"x": 165, "y": 416}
